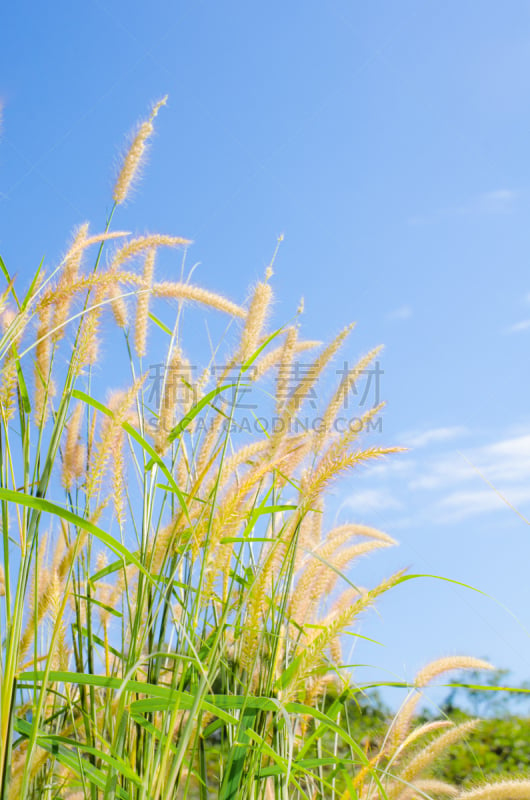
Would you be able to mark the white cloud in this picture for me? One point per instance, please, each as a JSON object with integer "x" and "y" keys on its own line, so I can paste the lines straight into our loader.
{"x": 444, "y": 483}
{"x": 506, "y": 463}
{"x": 500, "y": 200}
{"x": 460, "y": 505}
{"x": 401, "y": 313}
{"x": 415, "y": 439}
{"x": 368, "y": 500}
{"x": 401, "y": 464}
{"x": 524, "y": 325}
{"x": 441, "y": 473}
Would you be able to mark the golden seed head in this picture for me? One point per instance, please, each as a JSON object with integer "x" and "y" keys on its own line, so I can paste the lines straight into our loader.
{"x": 44, "y": 386}
{"x": 500, "y": 790}
{"x": 110, "y": 441}
{"x": 300, "y": 392}
{"x": 429, "y": 787}
{"x": 421, "y": 731}
{"x": 273, "y": 358}
{"x": 73, "y": 458}
{"x": 449, "y": 664}
{"x": 403, "y": 719}
{"x": 255, "y": 323}
{"x": 8, "y": 384}
{"x": 284, "y": 371}
{"x": 101, "y": 561}
{"x": 70, "y": 270}
{"x": 88, "y": 345}
{"x": 118, "y": 477}
{"x": 185, "y": 291}
{"x": 8, "y": 317}
{"x": 142, "y": 308}
{"x": 82, "y": 243}
{"x": 424, "y": 759}
{"x": 135, "y": 155}
{"x": 135, "y": 247}
{"x": 119, "y": 306}
{"x": 346, "y": 385}
{"x": 177, "y": 373}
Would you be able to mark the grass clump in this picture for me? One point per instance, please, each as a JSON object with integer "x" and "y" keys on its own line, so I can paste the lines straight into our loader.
{"x": 166, "y": 586}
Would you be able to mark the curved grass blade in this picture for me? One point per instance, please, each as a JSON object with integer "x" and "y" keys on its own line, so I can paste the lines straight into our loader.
{"x": 46, "y": 506}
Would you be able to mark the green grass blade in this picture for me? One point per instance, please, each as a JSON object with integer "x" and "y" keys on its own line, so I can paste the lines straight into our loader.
{"x": 46, "y": 506}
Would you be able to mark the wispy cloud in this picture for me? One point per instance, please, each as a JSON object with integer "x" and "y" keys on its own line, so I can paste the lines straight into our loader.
{"x": 403, "y": 466}
{"x": 459, "y": 506}
{"x": 442, "y": 482}
{"x": 399, "y": 314}
{"x": 504, "y": 463}
{"x": 415, "y": 439}
{"x": 369, "y": 500}
{"x": 498, "y": 201}
{"x": 518, "y": 327}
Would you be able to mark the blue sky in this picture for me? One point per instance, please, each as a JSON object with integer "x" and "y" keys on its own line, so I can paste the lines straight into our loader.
{"x": 389, "y": 143}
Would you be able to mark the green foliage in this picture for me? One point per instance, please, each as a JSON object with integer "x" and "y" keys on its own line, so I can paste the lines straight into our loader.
{"x": 498, "y": 748}
{"x": 500, "y": 745}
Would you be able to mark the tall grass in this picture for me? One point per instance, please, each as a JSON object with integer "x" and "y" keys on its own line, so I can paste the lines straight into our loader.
{"x": 172, "y": 601}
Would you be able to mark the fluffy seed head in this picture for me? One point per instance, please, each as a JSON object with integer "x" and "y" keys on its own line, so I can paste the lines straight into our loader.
{"x": 257, "y": 314}
{"x": 88, "y": 345}
{"x": 339, "y": 399}
{"x": 135, "y": 155}
{"x": 119, "y": 306}
{"x": 177, "y": 373}
{"x": 185, "y": 291}
{"x": 502, "y": 790}
{"x": 403, "y": 718}
{"x": 429, "y": 754}
{"x": 44, "y": 388}
{"x": 448, "y": 664}
{"x": 142, "y": 308}
{"x": 284, "y": 371}
{"x": 8, "y": 383}
{"x": 429, "y": 787}
{"x": 73, "y": 459}
{"x": 70, "y": 271}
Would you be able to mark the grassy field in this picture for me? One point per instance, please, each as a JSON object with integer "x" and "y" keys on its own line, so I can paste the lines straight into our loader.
{"x": 172, "y": 600}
